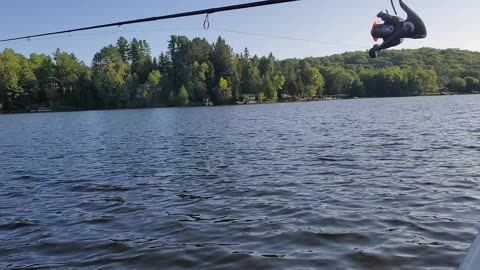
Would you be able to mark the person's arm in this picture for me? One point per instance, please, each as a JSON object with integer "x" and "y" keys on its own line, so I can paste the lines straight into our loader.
{"x": 389, "y": 18}
{"x": 396, "y": 37}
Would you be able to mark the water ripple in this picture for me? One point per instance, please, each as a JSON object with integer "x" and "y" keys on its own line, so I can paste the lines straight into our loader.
{"x": 360, "y": 184}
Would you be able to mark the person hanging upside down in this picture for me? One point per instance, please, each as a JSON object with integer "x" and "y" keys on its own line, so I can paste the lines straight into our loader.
{"x": 395, "y": 29}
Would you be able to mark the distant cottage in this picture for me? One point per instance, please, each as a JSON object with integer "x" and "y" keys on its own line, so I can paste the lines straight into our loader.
{"x": 444, "y": 91}
{"x": 249, "y": 98}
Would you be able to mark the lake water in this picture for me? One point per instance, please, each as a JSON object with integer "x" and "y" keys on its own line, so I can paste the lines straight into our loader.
{"x": 355, "y": 184}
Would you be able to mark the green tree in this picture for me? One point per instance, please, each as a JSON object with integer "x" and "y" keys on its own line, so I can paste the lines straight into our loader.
{"x": 272, "y": 80}
{"x": 223, "y": 92}
{"x": 373, "y": 81}
{"x": 123, "y": 48}
{"x": 197, "y": 83}
{"x": 338, "y": 81}
{"x": 150, "y": 93}
{"x": 421, "y": 82}
{"x": 10, "y": 90}
{"x": 261, "y": 97}
{"x": 289, "y": 69}
{"x": 358, "y": 87}
{"x": 199, "y": 50}
{"x": 178, "y": 48}
{"x": 109, "y": 54}
{"x": 110, "y": 76}
{"x": 182, "y": 98}
{"x": 138, "y": 50}
{"x": 472, "y": 84}
{"x": 28, "y": 81}
{"x": 171, "y": 99}
{"x": 222, "y": 59}
{"x": 457, "y": 84}
{"x": 72, "y": 78}
{"x": 251, "y": 80}
{"x": 393, "y": 82}
{"x": 43, "y": 68}
{"x": 311, "y": 80}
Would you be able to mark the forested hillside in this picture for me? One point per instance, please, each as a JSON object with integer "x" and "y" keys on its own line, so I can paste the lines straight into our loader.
{"x": 127, "y": 75}
{"x": 401, "y": 72}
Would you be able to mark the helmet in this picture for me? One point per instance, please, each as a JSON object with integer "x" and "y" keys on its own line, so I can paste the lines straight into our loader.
{"x": 380, "y": 30}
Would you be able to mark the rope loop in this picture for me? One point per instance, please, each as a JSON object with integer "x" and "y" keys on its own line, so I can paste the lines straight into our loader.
{"x": 206, "y": 23}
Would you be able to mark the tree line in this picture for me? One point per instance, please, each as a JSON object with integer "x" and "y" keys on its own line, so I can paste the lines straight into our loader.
{"x": 193, "y": 71}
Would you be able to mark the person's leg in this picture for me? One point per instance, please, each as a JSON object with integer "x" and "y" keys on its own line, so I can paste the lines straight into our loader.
{"x": 420, "y": 30}
{"x": 377, "y": 48}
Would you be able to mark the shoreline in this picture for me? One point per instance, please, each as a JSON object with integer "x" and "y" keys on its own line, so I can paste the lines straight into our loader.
{"x": 223, "y": 105}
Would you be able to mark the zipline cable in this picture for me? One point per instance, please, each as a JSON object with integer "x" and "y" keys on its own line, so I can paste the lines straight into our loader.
{"x": 287, "y": 38}
{"x": 198, "y": 28}
{"x": 212, "y": 29}
{"x": 165, "y": 17}
{"x": 112, "y": 33}
{"x": 393, "y": 6}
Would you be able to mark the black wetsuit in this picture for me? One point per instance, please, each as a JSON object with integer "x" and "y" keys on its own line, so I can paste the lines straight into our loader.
{"x": 413, "y": 27}
{"x": 420, "y": 30}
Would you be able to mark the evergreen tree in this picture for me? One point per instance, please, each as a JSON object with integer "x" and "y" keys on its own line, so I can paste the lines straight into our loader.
{"x": 123, "y": 48}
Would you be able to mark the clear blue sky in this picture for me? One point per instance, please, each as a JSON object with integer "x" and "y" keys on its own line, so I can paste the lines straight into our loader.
{"x": 451, "y": 24}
